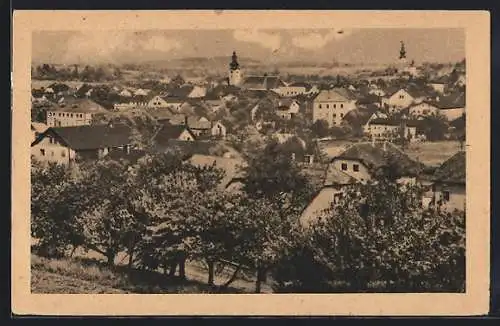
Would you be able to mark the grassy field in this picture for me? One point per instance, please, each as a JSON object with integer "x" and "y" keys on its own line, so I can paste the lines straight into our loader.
{"x": 88, "y": 276}
{"x": 433, "y": 153}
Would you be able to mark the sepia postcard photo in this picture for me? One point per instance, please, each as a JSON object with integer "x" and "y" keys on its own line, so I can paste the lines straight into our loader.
{"x": 251, "y": 163}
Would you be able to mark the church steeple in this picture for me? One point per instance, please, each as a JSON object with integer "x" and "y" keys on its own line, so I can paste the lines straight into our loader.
{"x": 234, "y": 62}
{"x": 235, "y": 77}
{"x": 402, "y": 51}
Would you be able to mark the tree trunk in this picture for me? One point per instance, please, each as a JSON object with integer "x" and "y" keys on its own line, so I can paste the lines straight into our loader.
{"x": 73, "y": 251}
{"x": 260, "y": 279}
{"x": 173, "y": 268}
{"x": 110, "y": 255}
{"x": 131, "y": 258}
{"x": 233, "y": 277}
{"x": 182, "y": 268}
{"x": 210, "y": 272}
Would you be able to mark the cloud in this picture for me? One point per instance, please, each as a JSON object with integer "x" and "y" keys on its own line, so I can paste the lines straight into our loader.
{"x": 314, "y": 41}
{"x": 161, "y": 43}
{"x": 271, "y": 41}
{"x": 110, "y": 46}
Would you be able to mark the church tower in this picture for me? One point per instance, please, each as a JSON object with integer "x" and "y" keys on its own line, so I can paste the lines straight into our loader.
{"x": 234, "y": 71}
{"x": 402, "y": 54}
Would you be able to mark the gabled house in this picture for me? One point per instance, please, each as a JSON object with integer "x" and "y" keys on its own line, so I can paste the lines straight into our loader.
{"x": 166, "y": 101}
{"x": 233, "y": 178}
{"x": 331, "y": 192}
{"x": 402, "y": 98}
{"x": 451, "y": 106}
{"x": 423, "y": 109}
{"x": 439, "y": 84}
{"x": 390, "y": 129}
{"x": 332, "y": 105}
{"x": 126, "y": 103}
{"x": 66, "y": 145}
{"x": 449, "y": 183}
{"x": 359, "y": 163}
{"x": 73, "y": 111}
{"x": 287, "y": 108}
{"x": 168, "y": 132}
{"x": 294, "y": 89}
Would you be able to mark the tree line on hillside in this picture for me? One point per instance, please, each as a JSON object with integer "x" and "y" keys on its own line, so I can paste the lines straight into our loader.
{"x": 85, "y": 74}
{"x": 164, "y": 212}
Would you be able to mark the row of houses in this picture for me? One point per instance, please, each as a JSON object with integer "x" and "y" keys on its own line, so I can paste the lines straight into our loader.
{"x": 359, "y": 163}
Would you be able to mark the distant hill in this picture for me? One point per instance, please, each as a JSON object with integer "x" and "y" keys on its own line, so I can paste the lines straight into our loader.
{"x": 201, "y": 62}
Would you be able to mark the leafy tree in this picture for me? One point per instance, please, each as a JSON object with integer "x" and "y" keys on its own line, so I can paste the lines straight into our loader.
{"x": 113, "y": 218}
{"x": 435, "y": 127}
{"x": 378, "y": 238}
{"x": 271, "y": 173}
{"x": 56, "y": 199}
{"x": 320, "y": 128}
{"x": 171, "y": 195}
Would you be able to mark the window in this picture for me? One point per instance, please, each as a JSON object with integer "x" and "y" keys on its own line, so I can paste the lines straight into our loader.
{"x": 335, "y": 106}
{"x": 446, "y": 195}
{"x": 344, "y": 166}
{"x": 355, "y": 167}
{"x": 328, "y": 106}
{"x": 42, "y": 151}
{"x": 334, "y": 115}
{"x": 341, "y": 106}
{"x": 319, "y": 106}
{"x": 71, "y": 115}
{"x": 63, "y": 153}
{"x": 341, "y": 115}
{"x": 51, "y": 153}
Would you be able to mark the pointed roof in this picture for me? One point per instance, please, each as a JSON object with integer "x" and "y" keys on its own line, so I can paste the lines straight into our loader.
{"x": 374, "y": 156}
{"x": 452, "y": 170}
{"x": 335, "y": 94}
{"x": 90, "y": 136}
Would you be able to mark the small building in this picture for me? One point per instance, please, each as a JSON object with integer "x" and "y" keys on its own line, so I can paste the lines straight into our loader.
{"x": 423, "y": 109}
{"x": 294, "y": 89}
{"x": 232, "y": 180}
{"x": 390, "y": 129}
{"x": 66, "y": 145}
{"x": 168, "y": 132}
{"x": 451, "y": 106}
{"x": 359, "y": 163}
{"x": 73, "y": 112}
{"x": 127, "y": 103}
{"x": 287, "y": 108}
{"x": 439, "y": 85}
{"x": 449, "y": 183}
{"x": 329, "y": 195}
{"x": 400, "y": 99}
{"x": 166, "y": 101}
{"x": 332, "y": 105}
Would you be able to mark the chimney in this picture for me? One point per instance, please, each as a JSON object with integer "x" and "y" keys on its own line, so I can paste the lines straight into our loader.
{"x": 186, "y": 120}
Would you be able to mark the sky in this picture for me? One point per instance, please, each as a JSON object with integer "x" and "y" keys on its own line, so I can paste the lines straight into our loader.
{"x": 378, "y": 46}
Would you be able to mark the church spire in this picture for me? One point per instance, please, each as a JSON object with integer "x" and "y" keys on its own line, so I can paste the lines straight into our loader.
{"x": 234, "y": 62}
{"x": 402, "y": 51}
